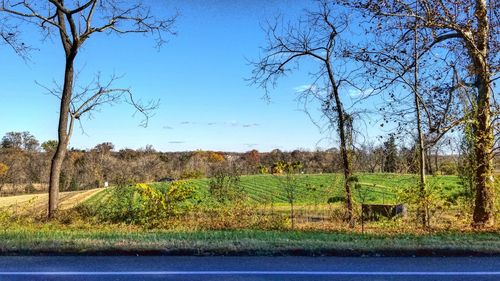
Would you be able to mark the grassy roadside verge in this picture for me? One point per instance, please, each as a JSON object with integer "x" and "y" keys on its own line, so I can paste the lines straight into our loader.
{"x": 26, "y": 241}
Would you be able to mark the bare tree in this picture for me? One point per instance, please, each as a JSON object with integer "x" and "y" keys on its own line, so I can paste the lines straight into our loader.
{"x": 74, "y": 22}
{"x": 370, "y": 157}
{"x": 10, "y": 35}
{"x": 318, "y": 38}
{"x": 420, "y": 87}
{"x": 20, "y": 141}
{"x": 470, "y": 30}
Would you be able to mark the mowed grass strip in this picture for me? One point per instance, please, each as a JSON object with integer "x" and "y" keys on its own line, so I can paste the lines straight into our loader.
{"x": 248, "y": 242}
{"x": 30, "y": 203}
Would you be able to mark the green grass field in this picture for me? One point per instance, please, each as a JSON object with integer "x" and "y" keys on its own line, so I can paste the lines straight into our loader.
{"x": 265, "y": 204}
{"x": 317, "y": 188}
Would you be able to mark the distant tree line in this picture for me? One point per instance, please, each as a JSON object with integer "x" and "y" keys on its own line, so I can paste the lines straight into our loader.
{"x": 25, "y": 163}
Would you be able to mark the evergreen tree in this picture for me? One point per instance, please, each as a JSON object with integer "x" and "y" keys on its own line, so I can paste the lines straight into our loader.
{"x": 390, "y": 153}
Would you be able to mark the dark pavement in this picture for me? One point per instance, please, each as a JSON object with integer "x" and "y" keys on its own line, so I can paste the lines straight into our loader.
{"x": 247, "y": 268}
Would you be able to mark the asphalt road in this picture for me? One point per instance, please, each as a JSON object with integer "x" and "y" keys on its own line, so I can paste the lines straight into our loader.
{"x": 247, "y": 268}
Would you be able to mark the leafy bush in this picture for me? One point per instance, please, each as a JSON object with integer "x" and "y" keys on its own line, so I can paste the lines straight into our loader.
{"x": 144, "y": 205}
{"x": 29, "y": 188}
{"x": 224, "y": 185}
{"x": 436, "y": 199}
{"x": 449, "y": 168}
{"x": 263, "y": 169}
{"x": 181, "y": 198}
{"x": 119, "y": 206}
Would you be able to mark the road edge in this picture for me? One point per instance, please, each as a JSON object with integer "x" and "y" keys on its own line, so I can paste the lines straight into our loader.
{"x": 288, "y": 252}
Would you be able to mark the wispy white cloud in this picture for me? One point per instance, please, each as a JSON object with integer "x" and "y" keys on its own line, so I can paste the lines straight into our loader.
{"x": 168, "y": 127}
{"x": 232, "y": 123}
{"x": 251, "y": 144}
{"x": 355, "y": 93}
{"x": 176, "y": 142}
{"x": 303, "y": 88}
{"x": 310, "y": 89}
{"x": 250, "y": 125}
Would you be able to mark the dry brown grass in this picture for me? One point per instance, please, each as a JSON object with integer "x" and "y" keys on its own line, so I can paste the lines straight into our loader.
{"x": 35, "y": 203}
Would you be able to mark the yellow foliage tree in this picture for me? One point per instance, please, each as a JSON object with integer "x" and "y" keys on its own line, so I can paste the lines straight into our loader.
{"x": 216, "y": 157}
{"x": 3, "y": 169}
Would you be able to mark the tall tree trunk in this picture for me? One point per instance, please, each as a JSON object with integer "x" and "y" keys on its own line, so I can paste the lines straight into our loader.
{"x": 483, "y": 144}
{"x": 436, "y": 164}
{"x": 423, "y": 209}
{"x": 428, "y": 158}
{"x": 483, "y": 131}
{"x": 64, "y": 132}
{"x": 344, "y": 152}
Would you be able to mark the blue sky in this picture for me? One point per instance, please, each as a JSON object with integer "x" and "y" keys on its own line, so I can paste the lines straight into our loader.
{"x": 199, "y": 77}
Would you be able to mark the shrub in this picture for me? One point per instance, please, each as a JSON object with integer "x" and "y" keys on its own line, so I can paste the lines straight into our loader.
{"x": 263, "y": 169}
{"x": 152, "y": 206}
{"x": 449, "y": 168}
{"x": 224, "y": 185}
{"x": 29, "y": 188}
{"x": 181, "y": 198}
{"x": 144, "y": 205}
{"x": 278, "y": 168}
{"x": 435, "y": 199}
{"x": 119, "y": 206}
